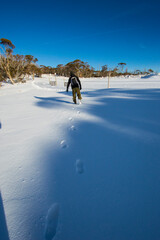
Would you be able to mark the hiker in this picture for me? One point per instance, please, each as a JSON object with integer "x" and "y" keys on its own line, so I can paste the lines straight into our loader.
{"x": 76, "y": 87}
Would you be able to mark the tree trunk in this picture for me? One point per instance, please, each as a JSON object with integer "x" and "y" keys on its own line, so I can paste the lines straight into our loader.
{"x": 8, "y": 71}
{"x": 10, "y": 77}
{"x": 8, "y": 74}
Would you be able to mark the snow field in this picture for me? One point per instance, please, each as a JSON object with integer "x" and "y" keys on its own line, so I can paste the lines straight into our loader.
{"x": 87, "y": 171}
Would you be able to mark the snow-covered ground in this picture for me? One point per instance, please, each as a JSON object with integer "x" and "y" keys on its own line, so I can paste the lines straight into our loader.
{"x": 80, "y": 172}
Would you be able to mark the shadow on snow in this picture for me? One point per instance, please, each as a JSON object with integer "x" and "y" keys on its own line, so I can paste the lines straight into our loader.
{"x": 50, "y": 102}
{"x": 117, "y": 196}
{"x": 3, "y": 225}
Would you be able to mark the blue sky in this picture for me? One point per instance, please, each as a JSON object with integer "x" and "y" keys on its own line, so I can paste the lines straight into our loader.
{"x": 98, "y": 32}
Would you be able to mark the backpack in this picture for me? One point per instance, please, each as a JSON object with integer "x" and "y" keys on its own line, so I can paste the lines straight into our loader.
{"x": 74, "y": 82}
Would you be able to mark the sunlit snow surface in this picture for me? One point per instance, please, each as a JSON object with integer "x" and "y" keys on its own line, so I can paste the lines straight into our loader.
{"x": 80, "y": 172}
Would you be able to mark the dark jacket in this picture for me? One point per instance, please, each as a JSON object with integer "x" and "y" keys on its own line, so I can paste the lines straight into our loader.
{"x": 74, "y": 81}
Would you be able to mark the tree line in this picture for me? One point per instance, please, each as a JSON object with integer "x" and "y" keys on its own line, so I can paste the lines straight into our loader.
{"x": 83, "y": 69}
{"x": 15, "y": 67}
{"x": 18, "y": 68}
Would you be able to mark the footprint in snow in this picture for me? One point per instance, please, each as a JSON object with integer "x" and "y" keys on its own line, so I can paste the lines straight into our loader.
{"x": 79, "y": 166}
{"x": 73, "y": 128}
{"x": 63, "y": 144}
{"x": 78, "y": 112}
{"x": 51, "y": 222}
{"x": 70, "y": 119}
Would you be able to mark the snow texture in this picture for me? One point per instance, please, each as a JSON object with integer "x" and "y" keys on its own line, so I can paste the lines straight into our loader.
{"x": 98, "y": 161}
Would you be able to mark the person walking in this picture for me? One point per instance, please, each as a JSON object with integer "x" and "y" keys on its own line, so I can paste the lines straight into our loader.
{"x": 76, "y": 87}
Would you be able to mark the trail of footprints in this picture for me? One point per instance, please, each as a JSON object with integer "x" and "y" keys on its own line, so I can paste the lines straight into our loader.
{"x": 63, "y": 143}
{"x": 79, "y": 163}
{"x": 53, "y": 212}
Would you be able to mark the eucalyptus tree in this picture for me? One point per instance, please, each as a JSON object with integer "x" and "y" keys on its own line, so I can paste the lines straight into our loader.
{"x": 15, "y": 67}
{"x": 150, "y": 71}
{"x": 80, "y": 68}
{"x": 137, "y": 72}
{"x": 6, "y": 58}
{"x": 122, "y": 65}
{"x": 60, "y": 69}
{"x": 104, "y": 71}
{"x": 30, "y": 66}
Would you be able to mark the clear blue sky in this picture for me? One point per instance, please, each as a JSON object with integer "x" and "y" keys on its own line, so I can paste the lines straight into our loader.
{"x": 98, "y": 32}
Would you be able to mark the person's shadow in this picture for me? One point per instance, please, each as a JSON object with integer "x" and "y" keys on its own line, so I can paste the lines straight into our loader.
{"x": 4, "y": 235}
